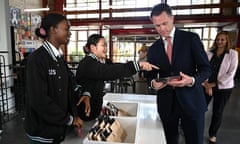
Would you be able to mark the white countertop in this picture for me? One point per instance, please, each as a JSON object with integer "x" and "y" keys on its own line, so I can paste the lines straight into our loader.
{"x": 149, "y": 128}
{"x": 130, "y": 97}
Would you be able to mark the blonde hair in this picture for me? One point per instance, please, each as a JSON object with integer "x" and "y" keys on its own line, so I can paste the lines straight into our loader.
{"x": 144, "y": 48}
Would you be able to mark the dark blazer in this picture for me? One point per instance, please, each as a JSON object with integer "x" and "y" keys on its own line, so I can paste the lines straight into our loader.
{"x": 188, "y": 57}
{"x": 48, "y": 103}
{"x": 91, "y": 74}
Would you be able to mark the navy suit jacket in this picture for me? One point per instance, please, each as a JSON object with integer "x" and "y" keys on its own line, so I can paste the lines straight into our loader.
{"x": 189, "y": 57}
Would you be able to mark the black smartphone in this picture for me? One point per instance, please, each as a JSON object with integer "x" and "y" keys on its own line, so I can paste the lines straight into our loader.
{"x": 166, "y": 79}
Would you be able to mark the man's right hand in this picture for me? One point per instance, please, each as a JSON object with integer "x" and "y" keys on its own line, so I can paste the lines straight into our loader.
{"x": 158, "y": 85}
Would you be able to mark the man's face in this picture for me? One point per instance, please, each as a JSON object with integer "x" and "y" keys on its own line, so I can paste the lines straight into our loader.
{"x": 163, "y": 24}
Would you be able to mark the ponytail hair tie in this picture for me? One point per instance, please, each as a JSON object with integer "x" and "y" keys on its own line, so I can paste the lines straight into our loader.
{"x": 42, "y": 31}
{"x": 86, "y": 49}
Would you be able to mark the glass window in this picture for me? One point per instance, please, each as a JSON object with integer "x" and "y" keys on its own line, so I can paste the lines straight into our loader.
{"x": 125, "y": 48}
{"x": 73, "y": 36}
{"x": 81, "y": 44}
{"x": 123, "y": 51}
{"x": 71, "y": 47}
{"x": 90, "y": 32}
{"x": 205, "y": 44}
{"x": 216, "y": 10}
{"x": 131, "y": 14}
{"x": 82, "y": 35}
{"x": 86, "y": 4}
{"x": 126, "y": 4}
{"x": 105, "y": 4}
{"x": 213, "y": 34}
{"x": 205, "y": 33}
{"x": 118, "y": 4}
{"x": 178, "y": 2}
{"x": 191, "y": 2}
{"x": 105, "y": 15}
{"x": 72, "y": 43}
{"x": 182, "y": 12}
{"x": 198, "y": 31}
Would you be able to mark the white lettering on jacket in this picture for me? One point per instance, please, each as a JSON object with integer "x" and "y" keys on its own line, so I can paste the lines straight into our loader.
{"x": 52, "y": 72}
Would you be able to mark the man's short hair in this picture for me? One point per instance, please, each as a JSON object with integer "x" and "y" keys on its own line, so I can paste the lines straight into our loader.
{"x": 159, "y": 8}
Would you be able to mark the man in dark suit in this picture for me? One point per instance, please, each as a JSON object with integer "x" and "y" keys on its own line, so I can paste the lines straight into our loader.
{"x": 180, "y": 100}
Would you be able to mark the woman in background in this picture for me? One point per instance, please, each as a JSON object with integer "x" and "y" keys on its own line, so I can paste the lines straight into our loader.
{"x": 93, "y": 70}
{"x": 224, "y": 63}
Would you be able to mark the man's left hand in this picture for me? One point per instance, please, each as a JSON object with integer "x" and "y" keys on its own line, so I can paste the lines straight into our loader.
{"x": 184, "y": 81}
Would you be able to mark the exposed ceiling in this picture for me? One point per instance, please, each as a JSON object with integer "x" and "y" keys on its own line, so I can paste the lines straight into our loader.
{"x": 149, "y": 26}
{"x": 179, "y": 25}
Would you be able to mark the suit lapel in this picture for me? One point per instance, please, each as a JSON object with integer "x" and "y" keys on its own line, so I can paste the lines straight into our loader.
{"x": 176, "y": 44}
{"x": 163, "y": 52}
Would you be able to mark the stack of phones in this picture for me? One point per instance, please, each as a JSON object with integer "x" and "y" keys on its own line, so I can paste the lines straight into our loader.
{"x": 107, "y": 129}
{"x": 111, "y": 110}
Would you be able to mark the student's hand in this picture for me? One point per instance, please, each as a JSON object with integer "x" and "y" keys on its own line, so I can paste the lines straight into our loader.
{"x": 86, "y": 100}
{"x": 147, "y": 66}
{"x": 77, "y": 122}
{"x": 158, "y": 85}
{"x": 184, "y": 81}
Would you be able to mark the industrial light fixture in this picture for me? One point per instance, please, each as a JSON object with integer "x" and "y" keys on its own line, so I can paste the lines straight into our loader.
{"x": 194, "y": 25}
{"x": 121, "y": 6}
{"x": 36, "y": 9}
{"x": 71, "y": 8}
{"x": 132, "y": 26}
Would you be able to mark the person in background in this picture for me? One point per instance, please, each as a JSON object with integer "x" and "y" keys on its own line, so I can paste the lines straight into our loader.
{"x": 50, "y": 107}
{"x": 237, "y": 75}
{"x": 180, "y": 100}
{"x": 142, "y": 57}
{"x": 20, "y": 84}
{"x": 224, "y": 63}
{"x": 93, "y": 70}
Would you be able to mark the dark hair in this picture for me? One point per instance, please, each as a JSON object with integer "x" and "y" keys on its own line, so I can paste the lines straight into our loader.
{"x": 50, "y": 20}
{"x": 159, "y": 8}
{"x": 92, "y": 40}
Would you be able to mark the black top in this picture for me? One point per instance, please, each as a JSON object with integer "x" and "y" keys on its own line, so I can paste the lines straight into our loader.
{"x": 91, "y": 74}
{"x": 215, "y": 66}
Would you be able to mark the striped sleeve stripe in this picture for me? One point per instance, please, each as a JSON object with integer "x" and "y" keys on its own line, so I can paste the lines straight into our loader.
{"x": 40, "y": 139}
{"x": 136, "y": 65}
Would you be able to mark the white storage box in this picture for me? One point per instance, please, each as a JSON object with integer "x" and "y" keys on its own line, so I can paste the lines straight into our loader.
{"x": 129, "y": 125}
{"x": 129, "y": 107}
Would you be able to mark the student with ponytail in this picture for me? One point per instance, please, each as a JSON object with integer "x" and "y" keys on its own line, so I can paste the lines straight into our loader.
{"x": 50, "y": 106}
{"x": 95, "y": 68}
